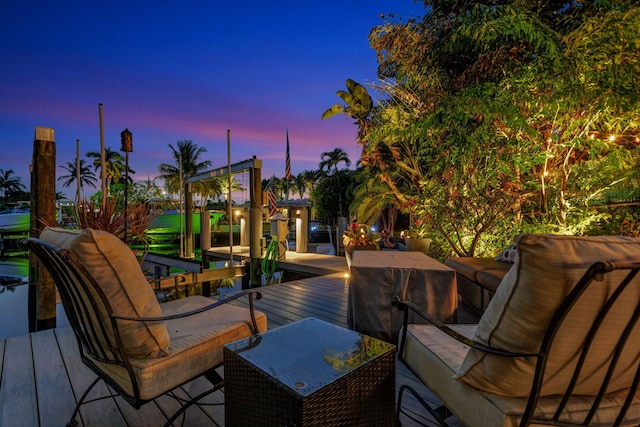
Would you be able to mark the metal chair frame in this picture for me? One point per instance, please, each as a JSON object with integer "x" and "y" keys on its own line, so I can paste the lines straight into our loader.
{"x": 591, "y": 277}
{"x": 83, "y": 301}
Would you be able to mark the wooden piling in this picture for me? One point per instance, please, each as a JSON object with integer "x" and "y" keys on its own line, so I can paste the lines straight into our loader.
{"x": 188, "y": 211}
{"x": 42, "y": 291}
{"x": 255, "y": 225}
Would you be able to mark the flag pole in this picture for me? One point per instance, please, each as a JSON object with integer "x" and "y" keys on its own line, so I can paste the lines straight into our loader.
{"x": 287, "y": 168}
{"x": 229, "y": 207}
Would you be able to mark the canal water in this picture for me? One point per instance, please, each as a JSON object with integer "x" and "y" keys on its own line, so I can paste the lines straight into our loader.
{"x": 14, "y": 296}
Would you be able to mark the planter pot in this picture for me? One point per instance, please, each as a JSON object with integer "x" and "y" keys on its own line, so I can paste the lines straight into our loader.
{"x": 419, "y": 245}
{"x": 274, "y": 280}
{"x": 348, "y": 251}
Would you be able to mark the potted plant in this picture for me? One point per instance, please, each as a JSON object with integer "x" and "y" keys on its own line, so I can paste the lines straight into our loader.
{"x": 358, "y": 237}
{"x": 417, "y": 239}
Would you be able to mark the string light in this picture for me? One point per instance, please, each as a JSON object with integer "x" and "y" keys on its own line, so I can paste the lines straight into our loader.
{"x": 629, "y": 139}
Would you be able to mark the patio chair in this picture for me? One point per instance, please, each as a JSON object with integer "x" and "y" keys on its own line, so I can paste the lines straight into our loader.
{"x": 138, "y": 347}
{"x": 558, "y": 344}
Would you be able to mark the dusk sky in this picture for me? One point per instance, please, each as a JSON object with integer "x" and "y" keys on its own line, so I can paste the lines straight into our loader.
{"x": 173, "y": 70}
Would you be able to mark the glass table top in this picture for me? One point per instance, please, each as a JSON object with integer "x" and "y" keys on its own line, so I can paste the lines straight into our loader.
{"x": 310, "y": 354}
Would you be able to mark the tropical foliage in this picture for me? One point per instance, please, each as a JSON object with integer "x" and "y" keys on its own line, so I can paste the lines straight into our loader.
{"x": 500, "y": 118}
{"x": 301, "y": 184}
{"x": 10, "y": 184}
{"x": 187, "y": 156}
{"x": 137, "y": 193}
{"x": 87, "y": 177}
{"x": 329, "y": 167}
{"x": 223, "y": 186}
{"x": 358, "y": 105}
{"x": 114, "y": 165}
{"x": 111, "y": 217}
{"x": 359, "y": 235}
{"x": 328, "y": 195}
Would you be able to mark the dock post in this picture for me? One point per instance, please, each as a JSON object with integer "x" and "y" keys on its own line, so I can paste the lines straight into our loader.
{"x": 255, "y": 226}
{"x": 301, "y": 216}
{"x": 42, "y": 291}
{"x": 205, "y": 245}
{"x": 188, "y": 221}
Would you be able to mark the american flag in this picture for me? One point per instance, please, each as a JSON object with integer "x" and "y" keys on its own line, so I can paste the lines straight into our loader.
{"x": 271, "y": 196}
{"x": 273, "y": 204}
{"x": 287, "y": 168}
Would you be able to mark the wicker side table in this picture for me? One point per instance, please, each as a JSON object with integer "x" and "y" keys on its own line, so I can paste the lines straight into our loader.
{"x": 309, "y": 373}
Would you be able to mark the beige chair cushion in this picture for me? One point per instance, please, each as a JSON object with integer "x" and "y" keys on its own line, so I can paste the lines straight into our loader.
{"x": 436, "y": 357}
{"x": 546, "y": 268}
{"x": 196, "y": 345}
{"x": 117, "y": 271}
{"x": 470, "y": 266}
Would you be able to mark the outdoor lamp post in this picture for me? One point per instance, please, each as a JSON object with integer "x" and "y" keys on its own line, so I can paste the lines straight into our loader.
{"x": 126, "y": 138}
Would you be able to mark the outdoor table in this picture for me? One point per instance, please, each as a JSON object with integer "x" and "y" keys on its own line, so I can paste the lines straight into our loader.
{"x": 309, "y": 373}
{"x": 379, "y": 278}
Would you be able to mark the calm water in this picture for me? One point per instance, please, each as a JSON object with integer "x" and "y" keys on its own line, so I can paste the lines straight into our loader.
{"x": 14, "y": 296}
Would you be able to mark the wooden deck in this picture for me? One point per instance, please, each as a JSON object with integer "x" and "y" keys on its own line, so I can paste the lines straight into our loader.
{"x": 303, "y": 263}
{"x": 42, "y": 376}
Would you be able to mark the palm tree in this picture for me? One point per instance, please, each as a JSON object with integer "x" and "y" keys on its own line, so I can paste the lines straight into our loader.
{"x": 8, "y": 183}
{"x": 279, "y": 187}
{"x": 371, "y": 199}
{"x": 264, "y": 182}
{"x": 235, "y": 185}
{"x": 310, "y": 179}
{"x": 224, "y": 186}
{"x": 187, "y": 156}
{"x": 114, "y": 165}
{"x": 299, "y": 185}
{"x": 209, "y": 189}
{"x": 331, "y": 160}
{"x": 87, "y": 177}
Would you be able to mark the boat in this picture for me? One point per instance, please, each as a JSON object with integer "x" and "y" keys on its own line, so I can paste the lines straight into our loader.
{"x": 15, "y": 221}
{"x": 13, "y": 271}
{"x": 166, "y": 227}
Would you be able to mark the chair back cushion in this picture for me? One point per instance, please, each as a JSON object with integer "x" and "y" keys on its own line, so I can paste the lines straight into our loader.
{"x": 546, "y": 269}
{"x": 117, "y": 272}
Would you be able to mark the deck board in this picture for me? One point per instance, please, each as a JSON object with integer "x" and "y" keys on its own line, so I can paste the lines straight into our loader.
{"x": 42, "y": 375}
{"x": 52, "y": 382}
{"x": 17, "y": 391}
{"x": 2, "y": 345}
{"x": 80, "y": 377}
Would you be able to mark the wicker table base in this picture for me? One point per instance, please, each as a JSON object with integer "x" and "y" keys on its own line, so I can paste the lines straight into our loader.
{"x": 309, "y": 373}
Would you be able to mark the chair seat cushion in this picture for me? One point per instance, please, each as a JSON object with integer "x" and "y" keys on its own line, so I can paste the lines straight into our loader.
{"x": 436, "y": 357}
{"x": 117, "y": 271}
{"x": 196, "y": 345}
